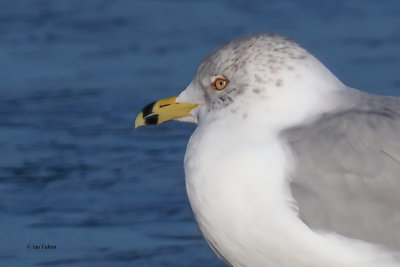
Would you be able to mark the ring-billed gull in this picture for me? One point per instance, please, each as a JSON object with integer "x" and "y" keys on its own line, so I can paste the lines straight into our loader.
{"x": 287, "y": 165}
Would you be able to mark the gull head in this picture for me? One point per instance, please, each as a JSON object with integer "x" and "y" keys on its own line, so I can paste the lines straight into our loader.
{"x": 262, "y": 78}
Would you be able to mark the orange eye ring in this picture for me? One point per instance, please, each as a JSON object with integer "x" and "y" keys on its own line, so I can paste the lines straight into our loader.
{"x": 220, "y": 83}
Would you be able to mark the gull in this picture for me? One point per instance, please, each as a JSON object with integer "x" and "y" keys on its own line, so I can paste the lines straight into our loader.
{"x": 288, "y": 166}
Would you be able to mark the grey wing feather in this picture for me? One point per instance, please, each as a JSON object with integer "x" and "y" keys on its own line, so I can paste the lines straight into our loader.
{"x": 347, "y": 176}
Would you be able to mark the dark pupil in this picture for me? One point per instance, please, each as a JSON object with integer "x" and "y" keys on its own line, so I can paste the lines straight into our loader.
{"x": 221, "y": 83}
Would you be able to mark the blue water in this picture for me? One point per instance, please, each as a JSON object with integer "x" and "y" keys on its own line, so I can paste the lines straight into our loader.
{"x": 73, "y": 75}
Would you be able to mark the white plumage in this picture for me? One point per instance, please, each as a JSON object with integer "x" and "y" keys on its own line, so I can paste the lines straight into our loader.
{"x": 288, "y": 166}
{"x": 238, "y": 166}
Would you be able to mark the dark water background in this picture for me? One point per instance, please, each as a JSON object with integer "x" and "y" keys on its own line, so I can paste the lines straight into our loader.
{"x": 73, "y": 75}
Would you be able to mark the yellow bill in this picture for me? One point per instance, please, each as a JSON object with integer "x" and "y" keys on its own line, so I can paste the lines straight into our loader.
{"x": 163, "y": 110}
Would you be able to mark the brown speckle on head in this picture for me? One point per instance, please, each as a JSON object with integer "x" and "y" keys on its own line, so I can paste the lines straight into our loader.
{"x": 274, "y": 69}
{"x": 252, "y": 64}
{"x": 236, "y": 91}
{"x": 244, "y": 116}
{"x": 258, "y": 79}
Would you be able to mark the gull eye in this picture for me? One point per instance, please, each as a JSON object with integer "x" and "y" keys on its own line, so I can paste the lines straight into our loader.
{"x": 220, "y": 83}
